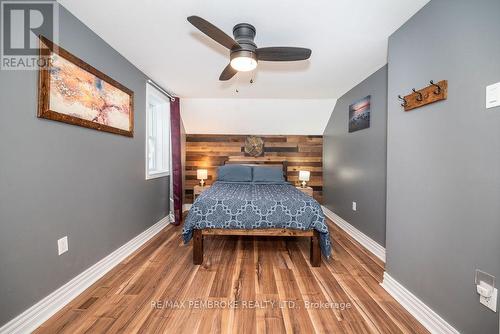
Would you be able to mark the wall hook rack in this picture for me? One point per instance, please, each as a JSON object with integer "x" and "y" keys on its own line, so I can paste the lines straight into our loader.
{"x": 404, "y": 101}
{"x": 432, "y": 93}
{"x": 419, "y": 95}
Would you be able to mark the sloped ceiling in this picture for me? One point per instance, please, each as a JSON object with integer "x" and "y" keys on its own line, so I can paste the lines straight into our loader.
{"x": 257, "y": 116}
{"x": 348, "y": 39}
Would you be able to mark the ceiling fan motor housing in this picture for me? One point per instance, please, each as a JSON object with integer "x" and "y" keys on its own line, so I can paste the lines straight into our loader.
{"x": 244, "y": 34}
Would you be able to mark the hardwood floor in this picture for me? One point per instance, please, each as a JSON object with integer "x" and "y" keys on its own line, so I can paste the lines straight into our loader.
{"x": 245, "y": 285}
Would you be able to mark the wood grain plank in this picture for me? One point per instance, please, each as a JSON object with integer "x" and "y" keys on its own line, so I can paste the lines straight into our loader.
{"x": 269, "y": 319}
{"x": 259, "y": 232}
{"x": 222, "y": 285}
{"x": 323, "y": 319}
{"x": 296, "y": 317}
{"x": 245, "y": 316}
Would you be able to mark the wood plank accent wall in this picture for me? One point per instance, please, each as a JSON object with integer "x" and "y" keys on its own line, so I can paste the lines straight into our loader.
{"x": 210, "y": 151}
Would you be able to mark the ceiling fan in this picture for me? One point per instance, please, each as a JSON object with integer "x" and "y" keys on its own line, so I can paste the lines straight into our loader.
{"x": 244, "y": 53}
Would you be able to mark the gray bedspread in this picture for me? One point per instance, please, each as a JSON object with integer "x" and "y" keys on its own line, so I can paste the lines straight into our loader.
{"x": 242, "y": 205}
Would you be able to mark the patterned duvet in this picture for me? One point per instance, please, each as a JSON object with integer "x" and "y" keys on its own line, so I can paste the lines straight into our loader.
{"x": 249, "y": 205}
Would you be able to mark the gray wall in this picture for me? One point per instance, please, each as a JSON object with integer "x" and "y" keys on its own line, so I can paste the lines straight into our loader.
{"x": 354, "y": 164}
{"x": 443, "y": 179}
{"x": 58, "y": 179}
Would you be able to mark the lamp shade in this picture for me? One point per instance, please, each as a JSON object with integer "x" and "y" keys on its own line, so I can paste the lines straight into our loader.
{"x": 304, "y": 175}
{"x": 201, "y": 174}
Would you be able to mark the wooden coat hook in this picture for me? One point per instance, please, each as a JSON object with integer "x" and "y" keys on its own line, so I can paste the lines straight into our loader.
{"x": 405, "y": 103}
{"x": 430, "y": 94}
{"x": 438, "y": 90}
{"x": 419, "y": 95}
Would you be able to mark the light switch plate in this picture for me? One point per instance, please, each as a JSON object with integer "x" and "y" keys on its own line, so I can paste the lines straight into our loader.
{"x": 354, "y": 206}
{"x": 62, "y": 245}
{"x": 493, "y": 95}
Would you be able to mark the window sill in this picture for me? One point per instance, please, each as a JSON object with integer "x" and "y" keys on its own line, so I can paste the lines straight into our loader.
{"x": 156, "y": 175}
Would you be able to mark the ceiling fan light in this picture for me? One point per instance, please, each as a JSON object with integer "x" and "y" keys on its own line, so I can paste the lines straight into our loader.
{"x": 243, "y": 61}
{"x": 243, "y": 64}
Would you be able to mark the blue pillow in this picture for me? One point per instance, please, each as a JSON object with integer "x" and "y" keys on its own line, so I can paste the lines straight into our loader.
{"x": 268, "y": 174}
{"x": 234, "y": 173}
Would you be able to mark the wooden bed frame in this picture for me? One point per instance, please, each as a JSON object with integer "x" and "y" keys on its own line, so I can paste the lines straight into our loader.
{"x": 315, "y": 250}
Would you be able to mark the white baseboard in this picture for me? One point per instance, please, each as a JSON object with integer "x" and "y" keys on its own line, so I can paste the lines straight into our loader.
{"x": 425, "y": 315}
{"x": 37, "y": 314}
{"x": 363, "y": 239}
{"x": 186, "y": 207}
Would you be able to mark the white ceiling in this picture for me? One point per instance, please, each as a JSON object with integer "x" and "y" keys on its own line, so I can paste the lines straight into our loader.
{"x": 348, "y": 39}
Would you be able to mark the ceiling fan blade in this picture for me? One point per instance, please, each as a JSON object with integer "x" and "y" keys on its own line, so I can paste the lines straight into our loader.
{"x": 228, "y": 73}
{"x": 213, "y": 32}
{"x": 283, "y": 53}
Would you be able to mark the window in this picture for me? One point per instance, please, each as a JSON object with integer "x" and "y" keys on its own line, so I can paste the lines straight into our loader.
{"x": 157, "y": 133}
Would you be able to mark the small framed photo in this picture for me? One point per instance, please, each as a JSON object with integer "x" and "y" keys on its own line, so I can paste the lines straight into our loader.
{"x": 359, "y": 114}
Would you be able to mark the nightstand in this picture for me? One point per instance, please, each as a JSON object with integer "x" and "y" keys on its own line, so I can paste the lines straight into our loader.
{"x": 306, "y": 190}
{"x": 197, "y": 190}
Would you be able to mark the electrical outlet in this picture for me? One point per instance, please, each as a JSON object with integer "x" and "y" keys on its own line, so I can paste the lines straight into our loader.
{"x": 354, "y": 206}
{"x": 485, "y": 286}
{"x": 62, "y": 245}
{"x": 490, "y": 302}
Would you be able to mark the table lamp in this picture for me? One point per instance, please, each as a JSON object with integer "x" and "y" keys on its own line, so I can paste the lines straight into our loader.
{"x": 202, "y": 175}
{"x": 304, "y": 176}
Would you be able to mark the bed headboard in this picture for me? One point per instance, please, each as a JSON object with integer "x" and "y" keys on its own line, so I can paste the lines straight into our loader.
{"x": 283, "y": 165}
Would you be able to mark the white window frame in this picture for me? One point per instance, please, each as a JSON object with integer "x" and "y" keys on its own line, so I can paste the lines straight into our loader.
{"x": 154, "y": 96}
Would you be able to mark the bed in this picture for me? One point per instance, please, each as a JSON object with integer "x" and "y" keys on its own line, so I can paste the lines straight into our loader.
{"x": 256, "y": 205}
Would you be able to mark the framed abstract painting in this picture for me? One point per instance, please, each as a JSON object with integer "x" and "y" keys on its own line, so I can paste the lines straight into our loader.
{"x": 359, "y": 114}
{"x": 73, "y": 92}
